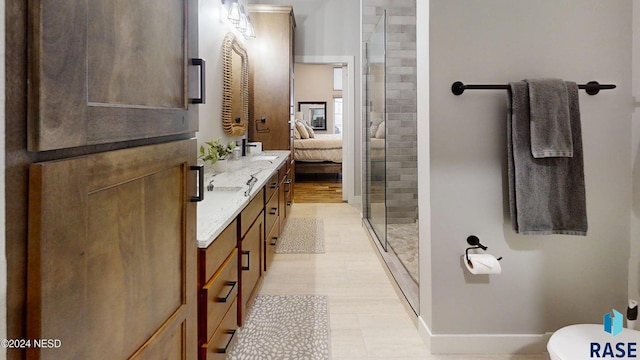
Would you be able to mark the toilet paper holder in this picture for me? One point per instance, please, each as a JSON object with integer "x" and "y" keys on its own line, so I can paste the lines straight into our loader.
{"x": 474, "y": 241}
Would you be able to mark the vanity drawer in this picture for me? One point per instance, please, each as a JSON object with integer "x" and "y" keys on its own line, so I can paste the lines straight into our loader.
{"x": 251, "y": 212}
{"x": 270, "y": 244}
{"x": 214, "y": 255}
{"x": 271, "y": 186}
{"x": 220, "y": 292}
{"x": 271, "y": 211}
{"x": 223, "y": 338}
{"x": 282, "y": 172}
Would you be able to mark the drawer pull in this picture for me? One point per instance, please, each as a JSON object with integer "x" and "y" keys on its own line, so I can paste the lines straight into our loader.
{"x": 275, "y": 241}
{"x": 201, "y": 64}
{"x": 232, "y": 285}
{"x": 226, "y": 347}
{"x": 248, "y": 267}
{"x": 273, "y": 185}
{"x": 288, "y": 203}
{"x": 273, "y": 211}
{"x": 200, "y": 170}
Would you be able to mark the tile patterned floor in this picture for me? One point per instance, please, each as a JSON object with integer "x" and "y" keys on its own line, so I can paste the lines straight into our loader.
{"x": 368, "y": 319}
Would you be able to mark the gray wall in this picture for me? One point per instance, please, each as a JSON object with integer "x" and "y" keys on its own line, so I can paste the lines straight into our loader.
{"x": 547, "y": 281}
{"x": 634, "y": 261}
{"x": 213, "y": 26}
{"x": 401, "y": 126}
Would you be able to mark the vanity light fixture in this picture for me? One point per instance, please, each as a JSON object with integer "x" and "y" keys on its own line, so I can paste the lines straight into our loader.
{"x": 238, "y": 17}
{"x": 242, "y": 24}
{"x": 249, "y": 32}
{"x": 234, "y": 12}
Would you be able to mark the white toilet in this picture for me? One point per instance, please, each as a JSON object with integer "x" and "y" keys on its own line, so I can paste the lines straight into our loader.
{"x": 574, "y": 342}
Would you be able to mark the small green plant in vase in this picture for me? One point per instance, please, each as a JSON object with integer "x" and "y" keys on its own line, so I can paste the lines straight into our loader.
{"x": 212, "y": 151}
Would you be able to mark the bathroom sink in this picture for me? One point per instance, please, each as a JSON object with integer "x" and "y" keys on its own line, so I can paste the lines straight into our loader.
{"x": 218, "y": 198}
{"x": 263, "y": 157}
{"x": 226, "y": 189}
{"x": 220, "y": 194}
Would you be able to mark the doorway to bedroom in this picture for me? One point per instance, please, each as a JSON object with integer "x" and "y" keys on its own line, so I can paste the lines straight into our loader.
{"x": 323, "y": 124}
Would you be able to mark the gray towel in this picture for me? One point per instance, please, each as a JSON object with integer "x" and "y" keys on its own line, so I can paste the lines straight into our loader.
{"x": 546, "y": 196}
{"x": 550, "y": 123}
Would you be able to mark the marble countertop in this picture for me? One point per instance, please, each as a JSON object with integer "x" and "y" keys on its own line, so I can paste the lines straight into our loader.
{"x": 230, "y": 192}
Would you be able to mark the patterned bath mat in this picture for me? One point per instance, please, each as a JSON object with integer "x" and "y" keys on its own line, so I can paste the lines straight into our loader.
{"x": 302, "y": 236}
{"x": 284, "y": 327}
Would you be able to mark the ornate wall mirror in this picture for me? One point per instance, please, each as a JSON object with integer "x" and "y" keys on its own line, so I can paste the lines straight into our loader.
{"x": 235, "y": 94}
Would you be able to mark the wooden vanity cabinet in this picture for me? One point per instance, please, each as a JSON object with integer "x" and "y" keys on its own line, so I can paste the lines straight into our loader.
{"x": 230, "y": 269}
{"x": 218, "y": 284}
{"x": 250, "y": 247}
{"x": 224, "y": 338}
{"x": 287, "y": 188}
{"x": 273, "y": 209}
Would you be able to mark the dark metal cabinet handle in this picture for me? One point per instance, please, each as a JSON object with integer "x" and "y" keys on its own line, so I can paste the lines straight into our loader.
{"x": 273, "y": 211}
{"x": 274, "y": 185}
{"x": 287, "y": 185}
{"x": 224, "y": 299}
{"x": 248, "y": 267}
{"x": 226, "y": 347}
{"x": 200, "y": 170}
{"x": 201, "y": 64}
{"x": 274, "y": 241}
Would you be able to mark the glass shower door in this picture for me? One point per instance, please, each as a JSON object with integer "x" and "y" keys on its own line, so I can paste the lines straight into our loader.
{"x": 375, "y": 130}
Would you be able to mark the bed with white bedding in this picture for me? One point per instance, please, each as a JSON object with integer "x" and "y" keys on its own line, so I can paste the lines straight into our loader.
{"x": 320, "y": 154}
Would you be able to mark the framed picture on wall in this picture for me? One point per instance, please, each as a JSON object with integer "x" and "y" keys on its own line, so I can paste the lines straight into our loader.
{"x": 314, "y": 113}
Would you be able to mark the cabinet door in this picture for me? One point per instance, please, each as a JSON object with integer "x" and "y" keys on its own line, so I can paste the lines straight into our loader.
{"x": 112, "y": 255}
{"x": 270, "y": 75}
{"x": 250, "y": 264}
{"x": 107, "y": 71}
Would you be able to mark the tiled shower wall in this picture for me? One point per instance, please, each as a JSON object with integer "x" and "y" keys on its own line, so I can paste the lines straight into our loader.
{"x": 402, "y": 165}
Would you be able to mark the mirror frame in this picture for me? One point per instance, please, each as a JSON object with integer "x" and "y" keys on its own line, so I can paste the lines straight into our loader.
{"x": 231, "y": 126}
{"x": 314, "y": 105}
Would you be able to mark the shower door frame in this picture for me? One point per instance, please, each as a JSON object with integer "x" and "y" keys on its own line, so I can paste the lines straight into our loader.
{"x": 369, "y": 219}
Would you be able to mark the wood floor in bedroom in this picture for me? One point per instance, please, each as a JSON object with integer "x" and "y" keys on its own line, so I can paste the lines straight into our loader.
{"x": 318, "y": 188}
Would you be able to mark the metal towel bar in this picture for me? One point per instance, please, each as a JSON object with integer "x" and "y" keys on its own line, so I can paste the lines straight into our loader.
{"x": 592, "y": 87}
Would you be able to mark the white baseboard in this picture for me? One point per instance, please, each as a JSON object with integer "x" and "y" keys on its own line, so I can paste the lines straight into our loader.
{"x": 483, "y": 343}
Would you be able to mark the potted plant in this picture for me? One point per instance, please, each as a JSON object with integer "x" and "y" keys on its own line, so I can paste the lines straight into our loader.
{"x": 216, "y": 154}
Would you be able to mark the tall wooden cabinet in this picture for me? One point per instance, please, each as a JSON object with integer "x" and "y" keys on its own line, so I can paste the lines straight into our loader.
{"x": 271, "y": 76}
{"x": 106, "y": 71}
{"x": 111, "y": 89}
{"x": 112, "y": 255}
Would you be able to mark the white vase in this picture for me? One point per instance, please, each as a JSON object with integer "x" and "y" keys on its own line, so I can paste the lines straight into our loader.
{"x": 220, "y": 166}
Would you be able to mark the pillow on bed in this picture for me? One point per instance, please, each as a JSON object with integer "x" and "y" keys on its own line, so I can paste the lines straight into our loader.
{"x": 312, "y": 134}
{"x": 304, "y": 134}
{"x": 296, "y": 132}
{"x": 380, "y": 131}
{"x": 372, "y": 130}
